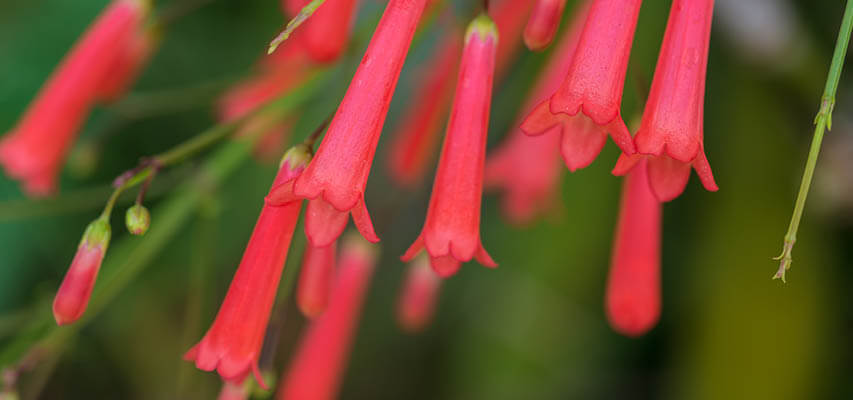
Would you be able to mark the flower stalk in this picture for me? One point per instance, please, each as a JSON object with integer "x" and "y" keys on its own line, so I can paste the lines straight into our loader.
{"x": 823, "y": 122}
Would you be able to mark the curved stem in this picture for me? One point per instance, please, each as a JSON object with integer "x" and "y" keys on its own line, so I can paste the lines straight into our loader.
{"x": 823, "y": 122}
{"x": 146, "y": 169}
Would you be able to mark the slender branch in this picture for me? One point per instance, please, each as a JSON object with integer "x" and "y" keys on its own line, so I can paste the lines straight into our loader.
{"x": 129, "y": 257}
{"x": 149, "y": 166}
{"x": 823, "y": 122}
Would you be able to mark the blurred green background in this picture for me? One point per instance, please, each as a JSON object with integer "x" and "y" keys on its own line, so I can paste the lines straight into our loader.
{"x": 534, "y": 328}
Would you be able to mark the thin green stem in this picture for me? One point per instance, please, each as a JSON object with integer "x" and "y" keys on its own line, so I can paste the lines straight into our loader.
{"x": 130, "y": 256}
{"x": 823, "y": 122}
{"x": 150, "y": 166}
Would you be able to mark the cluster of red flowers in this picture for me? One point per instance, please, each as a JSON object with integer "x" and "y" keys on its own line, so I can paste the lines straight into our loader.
{"x": 574, "y": 106}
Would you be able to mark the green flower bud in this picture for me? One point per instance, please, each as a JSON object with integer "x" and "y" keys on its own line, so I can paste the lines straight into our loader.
{"x": 137, "y": 219}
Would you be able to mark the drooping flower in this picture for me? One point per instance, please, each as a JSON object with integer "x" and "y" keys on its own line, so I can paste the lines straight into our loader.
{"x": 232, "y": 345}
{"x": 326, "y": 33}
{"x": 129, "y": 64}
{"x": 259, "y": 90}
{"x": 418, "y": 297}
{"x": 76, "y": 288}
{"x": 528, "y": 167}
{"x": 543, "y": 23}
{"x": 316, "y": 370}
{"x": 451, "y": 233}
{"x": 510, "y": 17}
{"x": 633, "y": 287}
{"x": 335, "y": 180}
{"x": 272, "y": 80}
{"x": 315, "y": 279}
{"x": 33, "y": 152}
{"x": 417, "y": 135}
{"x": 586, "y": 106}
{"x": 671, "y": 131}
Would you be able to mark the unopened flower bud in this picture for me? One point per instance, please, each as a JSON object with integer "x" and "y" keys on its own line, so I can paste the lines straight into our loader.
{"x": 73, "y": 295}
{"x": 137, "y": 219}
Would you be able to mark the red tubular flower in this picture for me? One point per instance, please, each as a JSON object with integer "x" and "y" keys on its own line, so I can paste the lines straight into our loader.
{"x": 76, "y": 289}
{"x": 417, "y": 135}
{"x": 543, "y": 23}
{"x": 35, "y": 149}
{"x": 315, "y": 279}
{"x": 510, "y": 17}
{"x": 528, "y": 167}
{"x": 586, "y": 106}
{"x": 233, "y": 344}
{"x": 633, "y": 288}
{"x": 335, "y": 180}
{"x": 420, "y": 293}
{"x": 451, "y": 233}
{"x": 273, "y": 80}
{"x": 671, "y": 130}
{"x": 129, "y": 64}
{"x": 257, "y": 91}
{"x": 325, "y": 35}
{"x": 316, "y": 370}
{"x": 274, "y": 136}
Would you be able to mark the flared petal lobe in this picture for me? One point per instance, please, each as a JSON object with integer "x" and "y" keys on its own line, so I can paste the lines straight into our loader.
{"x": 34, "y": 151}
{"x": 671, "y": 132}
{"x": 232, "y": 345}
{"x": 586, "y": 105}
{"x": 451, "y": 233}
{"x": 543, "y": 23}
{"x": 318, "y": 366}
{"x": 339, "y": 172}
{"x": 633, "y": 287}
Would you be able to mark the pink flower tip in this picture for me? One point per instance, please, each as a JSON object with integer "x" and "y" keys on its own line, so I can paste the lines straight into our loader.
{"x": 315, "y": 279}
{"x": 543, "y": 23}
{"x": 633, "y": 286}
{"x": 629, "y": 318}
{"x": 418, "y": 297}
{"x": 233, "y": 391}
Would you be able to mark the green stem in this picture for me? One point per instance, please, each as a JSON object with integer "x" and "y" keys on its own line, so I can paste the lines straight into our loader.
{"x": 823, "y": 121}
{"x": 205, "y": 140}
{"x": 128, "y": 256}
